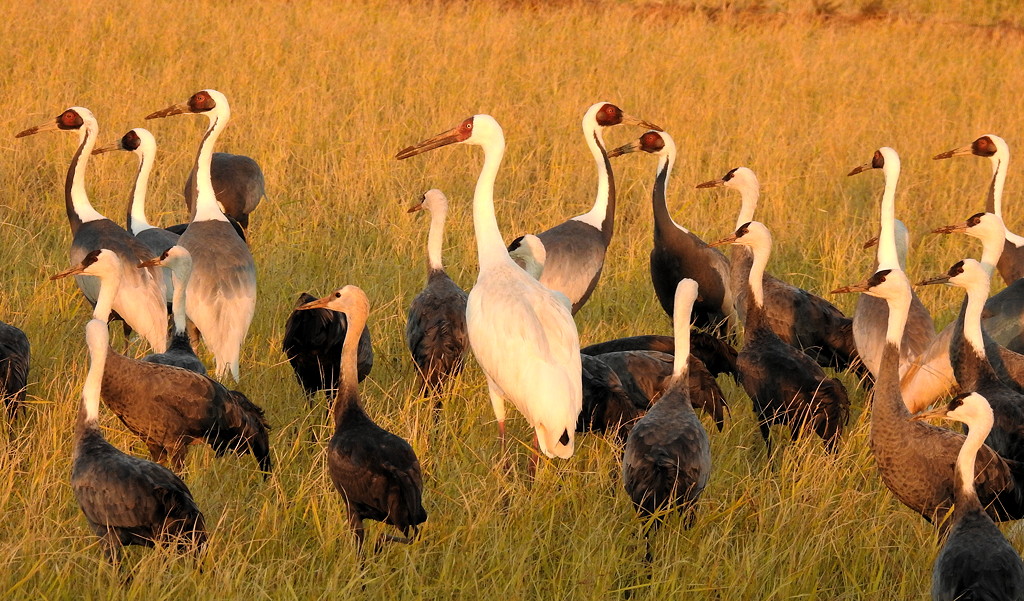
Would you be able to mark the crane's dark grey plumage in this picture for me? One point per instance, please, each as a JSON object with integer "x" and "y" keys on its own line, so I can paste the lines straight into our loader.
{"x": 313, "y": 339}
{"x": 170, "y": 408}
{"x": 785, "y": 385}
{"x": 141, "y": 301}
{"x": 976, "y": 561}
{"x": 679, "y": 253}
{"x": 14, "y": 364}
{"x": 238, "y": 184}
{"x": 127, "y": 500}
{"x": 435, "y": 327}
{"x": 606, "y": 404}
{"x": 177, "y": 261}
{"x": 667, "y": 459}
{"x": 576, "y": 248}
{"x": 717, "y": 355}
{"x": 376, "y": 472}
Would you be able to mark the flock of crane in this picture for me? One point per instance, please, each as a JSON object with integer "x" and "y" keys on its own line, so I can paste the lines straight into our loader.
{"x": 518, "y": 321}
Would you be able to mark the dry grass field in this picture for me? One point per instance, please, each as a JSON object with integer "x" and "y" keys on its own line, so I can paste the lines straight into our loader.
{"x": 323, "y": 95}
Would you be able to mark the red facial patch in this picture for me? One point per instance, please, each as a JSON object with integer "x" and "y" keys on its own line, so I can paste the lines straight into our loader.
{"x": 651, "y": 142}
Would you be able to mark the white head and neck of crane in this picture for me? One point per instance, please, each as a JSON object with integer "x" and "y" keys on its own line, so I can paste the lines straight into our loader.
{"x": 755, "y": 236}
{"x": 686, "y": 294}
{"x": 661, "y": 145}
{"x": 179, "y": 261}
{"x": 888, "y": 161}
{"x": 76, "y": 200}
{"x": 987, "y": 227}
{"x": 97, "y": 338}
{"x": 105, "y": 265}
{"x": 745, "y": 181}
{"x": 973, "y": 410}
{"x": 142, "y": 143}
{"x": 529, "y": 252}
{"x": 436, "y": 203}
{"x": 976, "y": 281}
{"x": 215, "y": 106}
{"x": 892, "y": 286}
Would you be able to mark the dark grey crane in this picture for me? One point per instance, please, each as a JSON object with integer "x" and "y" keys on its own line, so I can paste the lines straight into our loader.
{"x": 576, "y": 248}
{"x": 679, "y": 253}
{"x": 127, "y": 500}
{"x": 14, "y": 363}
{"x": 141, "y": 300}
{"x": 667, "y": 460}
{"x": 435, "y": 327}
{"x": 872, "y": 314}
{"x": 996, "y": 150}
{"x": 221, "y": 298}
{"x": 801, "y": 319}
{"x": 914, "y": 458}
{"x": 178, "y": 262}
{"x": 717, "y": 355}
{"x": 785, "y": 385}
{"x": 238, "y": 184}
{"x": 170, "y": 408}
{"x": 976, "y": 561}
{"x": 376, "y": 472}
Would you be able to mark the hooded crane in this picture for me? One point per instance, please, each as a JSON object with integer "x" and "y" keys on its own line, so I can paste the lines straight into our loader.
{"x": 141, "y": 300}
{"x": 716, "y": 354}
{"x": 14, "y": 364}
{"x": 915, "y": 459}
{"x": 872, "y": 314}
{"x": 667, "y": 459}
{"x": 435, "y": 328}
{"x": 222, "y": 291}
{"x": 1011, "y": 262}
{"x": 801, "y": 319}
{"x": 376, "y": 472}
{"x": 522, "y": 336}
{"x": 170, "y": 408}
{"x": 976, "y": 561}
{"x": 785, "y": 385}
{"x": 178, "y": 262}
{"x": 127, "y": 500}
{"x": 679, "y": 253}
{"x": 971, "y": 366}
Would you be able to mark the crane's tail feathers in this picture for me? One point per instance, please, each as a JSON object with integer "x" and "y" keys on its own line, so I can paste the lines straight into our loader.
{"x": 830, "y": 411}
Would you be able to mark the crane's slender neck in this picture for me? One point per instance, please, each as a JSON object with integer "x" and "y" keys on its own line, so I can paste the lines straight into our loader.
{"x": 206, "y": 199}
{"x": 899, "y": 309}
{"x": 137, "y": 208}
{"x": 994, "y": 201}
{"x": 180, "y": 276}
{"x": 490, "y": 248}
{"x": 965, "y": 460}
{"x": 109, "y": 283}
{"x": 976, "y": 297}
{"x": 662, "y": 220}
{"x": 991, "y": 250}
{"x": 348, "y": 387}
{"x": 889, "y": 404}
{"x": 435, "y": 238}
{"x": 602, "y": 215}
{"x": 749, "y": 196}
{"x": 681, "y": 325}
{"x": 76, "y": 200}
{"x": 97, "y": 339}
{"x": 756, "y": 277}
{"x": 888, "y": 257}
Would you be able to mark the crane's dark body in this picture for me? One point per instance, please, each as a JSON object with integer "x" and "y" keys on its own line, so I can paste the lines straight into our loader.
{"x": 606, "y": 404}
{"x": 976, "y": 562}
{"x": 435, "y": 330}
{"x": 717, "y": 355}
{"x": 179, "y": 353}
{"x": 14, "y": 365}
{"x": 237, "y": 182}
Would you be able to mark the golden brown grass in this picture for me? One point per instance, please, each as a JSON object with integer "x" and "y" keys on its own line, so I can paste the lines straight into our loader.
{"x": 323, "y": 95}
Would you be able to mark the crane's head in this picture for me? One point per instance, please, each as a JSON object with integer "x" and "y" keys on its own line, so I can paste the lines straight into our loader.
{"x": 652, "y": 141}
{"x": 75, "y": 118}
{"x": 100, "y": 262}
{"x": 888, "y": 284}
{"x": 481, "y": 130}
{"x": 965, "y": 274}
{"x": 987, "y": 227}
{"x": 432, "y": 200}
{"x": 606, "y": 114}
{"x": 175, "y": 258}
{"x": 529, "y": 253}
{"x": 885, "y": 158}
{"x": 211, "y": 103}
{"x": 739, "y": 178}
{"x": 138, "y": 140}
{"x": 350, "y": 300}
{"x": 989, "y": 146}
{"x": 752, "y": 233}
{"x": 970, "y": 408}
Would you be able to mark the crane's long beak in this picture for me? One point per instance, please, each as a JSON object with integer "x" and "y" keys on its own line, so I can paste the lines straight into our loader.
{"x": 939, "y": 279}
{"x": 416, "y": 207}
{"x": 48, "y": 126}
{"x": 174, "y": 109}
{"x": 77, "y": 269}
{"x": 956, "y": 228}
{"x": 956, "y": 152}
{"x": 442, "y": 139}
{"x": 861, "y": 287}
{"x": 715, "y": 183}
{"x": 871, "y": 242}
{"x": 860, "y": 168}
{"x": 631, "y": 120}
{"x": 723, "y": 241}
{"x": 319, "y": 303}
{"x": 154, "y": 262}
{"x": 939, "y": 412}
{"x": 108, "y": 148}
{"x": 624, "y": 149}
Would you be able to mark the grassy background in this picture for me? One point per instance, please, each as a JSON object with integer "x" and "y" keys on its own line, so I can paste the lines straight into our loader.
{"x": 323, "y": 96}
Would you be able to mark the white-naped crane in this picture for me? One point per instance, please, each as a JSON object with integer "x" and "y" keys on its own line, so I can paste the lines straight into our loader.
{"x": 126, "y": 500}
{"x": 976, "y": 561}
{"x": 872, "y": 314}
{"x": 679, "y": 253}
{"x": 168, "y": 407}
{"x": 178, "y": 262}
{"x": 915, "y": 459}
{"x": 801, "y": 319}
{"x": 522, "y": 336}
{"x": 141, "y": 300}
{"x": 221, "y": 298}
{"x": 786, "y": 386}
{"x": 376, "y": 472}
{"x": 667, "y": 459}
{"x": 237, "y": 182}
{"x": 576, "y": 248}
{"x": 996, "y": 150}
{"x": 435, "y": 326}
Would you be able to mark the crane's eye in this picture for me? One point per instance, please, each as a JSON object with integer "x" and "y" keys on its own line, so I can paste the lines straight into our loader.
{"x": 337, "y": 295}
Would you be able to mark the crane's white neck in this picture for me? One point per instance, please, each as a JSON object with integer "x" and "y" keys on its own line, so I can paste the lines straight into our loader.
{"x": 594, "y": 135}
{"x": 180, "y": 275}
{"x": 137, "y": 216}
{"x": 435, "y": 238}
{"x": 991, "y": 250}
{"x": 899, "y": 309}
{"x": 490, "y": 247}
{"x": 76, "y": 194}
{"x": 756, "y": 277}
{"x": 681, "y": 326}
{"x": 977, "y": 294}
{"x": 968, "y": 454}
{"x": 97, "y": 339}
{"x": 749, "y": 196}
{"x": 888, "y": 257}
{"x": 207, "y": 208}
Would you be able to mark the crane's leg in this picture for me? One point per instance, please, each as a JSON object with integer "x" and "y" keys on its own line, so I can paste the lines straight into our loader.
{"x": 534, "y": 456}
{"x": 498, "y": 405}
{"x": 356, "y": 522}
